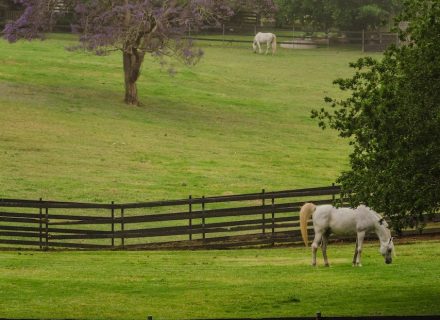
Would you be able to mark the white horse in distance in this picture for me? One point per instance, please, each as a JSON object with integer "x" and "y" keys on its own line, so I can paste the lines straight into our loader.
{"x": 269, "y": 38}
{"x": 345, "y": 221}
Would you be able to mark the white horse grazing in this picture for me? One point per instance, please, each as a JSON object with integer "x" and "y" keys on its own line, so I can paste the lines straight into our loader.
{"x": 269, "y": 38}
{"x": 345, "y": 221}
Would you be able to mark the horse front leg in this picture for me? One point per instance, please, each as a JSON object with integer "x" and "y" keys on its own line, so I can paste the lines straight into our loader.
{"x": 315, "y": 245}
{"x": 360, "y": 241}
{"x": 355, "y": 253}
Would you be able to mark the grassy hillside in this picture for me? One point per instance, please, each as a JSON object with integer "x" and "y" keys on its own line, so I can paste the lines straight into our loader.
{"x": 218, "y": 284}
{"x": 236, "y": 122}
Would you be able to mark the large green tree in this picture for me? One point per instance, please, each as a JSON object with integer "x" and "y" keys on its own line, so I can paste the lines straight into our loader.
{"x": 392, "y": 119}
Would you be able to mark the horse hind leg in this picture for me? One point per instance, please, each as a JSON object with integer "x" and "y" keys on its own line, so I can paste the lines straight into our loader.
{"x": 315, "y": 245}
{"x": 359, "y": 242}
{"x": 325, "y": 237}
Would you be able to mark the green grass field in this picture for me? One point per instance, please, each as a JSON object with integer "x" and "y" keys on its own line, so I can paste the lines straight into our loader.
{"x": 214, "y": 284}
{"x": 237, "y": 122}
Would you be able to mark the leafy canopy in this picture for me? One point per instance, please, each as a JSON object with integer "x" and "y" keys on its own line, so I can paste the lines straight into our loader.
{"x": 392, "y": 119}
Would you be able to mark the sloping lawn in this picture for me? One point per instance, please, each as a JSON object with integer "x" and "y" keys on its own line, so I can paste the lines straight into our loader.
{"x": 235, "y": 123}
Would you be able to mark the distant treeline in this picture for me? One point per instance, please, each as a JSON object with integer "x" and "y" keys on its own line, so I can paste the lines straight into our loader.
{"x": 305, "y": 14}
{"x": 338, "y": 14}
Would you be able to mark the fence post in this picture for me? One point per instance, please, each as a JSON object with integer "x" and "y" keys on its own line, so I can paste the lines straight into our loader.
{"x": 293, "y": 30}
{"x": 273, "y": 221}
{"x": 328, "y": 38}
{"x": 363, "y": 40}
{"x": 341, "y": 196}
{"x": 203, "y": 217}
{"x": 223, "y": 34}
{"x": 47, "y": 228}
{"x": 40, "y": 229}
{"x": 264, "y": 215}
{"x": 190, "y": 217}
{"x": 333, "y": 195}
{"x": 113, "y": 224}
{"x": 122, "y": 228}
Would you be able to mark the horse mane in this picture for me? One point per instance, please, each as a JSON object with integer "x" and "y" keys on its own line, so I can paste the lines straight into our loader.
{"x": 305, "y": 213}
{"x": 380, "y": 219}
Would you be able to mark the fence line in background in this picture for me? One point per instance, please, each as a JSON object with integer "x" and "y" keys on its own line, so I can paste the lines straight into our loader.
{"x": 290, "y": 38}
{"x": 300, "y": 39}
{"x": 264, "y": 218}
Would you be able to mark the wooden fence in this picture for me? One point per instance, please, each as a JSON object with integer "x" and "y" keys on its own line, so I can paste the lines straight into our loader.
{"x": 264, "y": 218}
{"x": 256, "y": 219}
{"x": 300, "y": 39}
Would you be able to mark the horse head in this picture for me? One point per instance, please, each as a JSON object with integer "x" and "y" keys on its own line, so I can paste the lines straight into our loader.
{"x": 386, "y": 249}
{"x": 386, "y": 240}
{"x": 254, "y": 47}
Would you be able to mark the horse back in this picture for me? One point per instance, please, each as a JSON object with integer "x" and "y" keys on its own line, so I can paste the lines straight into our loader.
{"x": 338, "y": 220}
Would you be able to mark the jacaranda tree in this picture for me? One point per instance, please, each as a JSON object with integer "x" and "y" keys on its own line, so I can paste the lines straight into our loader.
{"x": 392, "y": 119}
{"x": 134, "y": 27}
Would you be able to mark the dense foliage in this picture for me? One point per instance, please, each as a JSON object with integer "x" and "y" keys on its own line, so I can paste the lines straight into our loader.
{"x": 341, "y": 14}
{"x": 392, "y": 119}
{"x": 264, "y": 8}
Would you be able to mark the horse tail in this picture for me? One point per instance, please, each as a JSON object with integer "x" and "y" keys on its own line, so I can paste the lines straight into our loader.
{"x": 274, "y": 44}
{"x": 306, "y": 212}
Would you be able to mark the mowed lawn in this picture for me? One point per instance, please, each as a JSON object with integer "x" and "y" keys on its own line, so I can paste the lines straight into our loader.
{"x": 218, "y": 284}
{"x": 237, "y": 122}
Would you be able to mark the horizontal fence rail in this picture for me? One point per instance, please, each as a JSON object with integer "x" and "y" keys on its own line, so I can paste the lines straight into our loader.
{"x": 297, "y": 38}
{"x": 244, "y": 220}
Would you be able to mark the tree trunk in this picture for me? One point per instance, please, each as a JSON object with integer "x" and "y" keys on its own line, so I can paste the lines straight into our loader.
{"x": 131, "y": 96}
{"x": 132, "y": 65}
